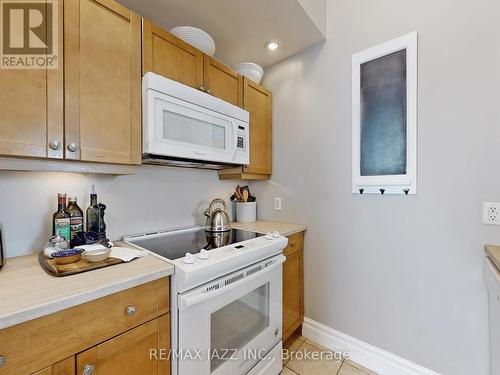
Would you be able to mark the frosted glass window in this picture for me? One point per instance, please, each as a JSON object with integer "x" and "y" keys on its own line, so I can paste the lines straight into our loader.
{"x": 177, "y": 127}
{"x": 236, "y": 324}
{"x": 383, "y": 115}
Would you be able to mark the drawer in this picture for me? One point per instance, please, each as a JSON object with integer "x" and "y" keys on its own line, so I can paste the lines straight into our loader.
{"x": 38, "y": 343}
{"x": 295, "y": 243}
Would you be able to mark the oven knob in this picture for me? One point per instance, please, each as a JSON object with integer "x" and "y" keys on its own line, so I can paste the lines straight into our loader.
{"x": 276, "y": 234}
{"x": 189, "y": 258}
{"x": 269, "y": 236}
{"x": 203, "y": 254}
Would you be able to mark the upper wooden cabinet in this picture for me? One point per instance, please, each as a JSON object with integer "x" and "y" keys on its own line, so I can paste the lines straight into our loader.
{"x": 169, "y": 56}
{"x": 102, "y": 48}
{"x": 31, "y": 108}
{"x": 222, "y": 82}
{"x": 257, "y": 100}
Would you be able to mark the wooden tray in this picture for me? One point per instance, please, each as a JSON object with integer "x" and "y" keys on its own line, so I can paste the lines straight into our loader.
{"x": 58, "y": 270}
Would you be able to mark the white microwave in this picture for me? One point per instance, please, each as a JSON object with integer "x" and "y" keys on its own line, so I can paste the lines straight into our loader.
{"x": 186, "y": 127}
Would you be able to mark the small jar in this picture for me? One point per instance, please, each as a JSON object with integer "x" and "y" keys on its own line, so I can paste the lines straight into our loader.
{"x": 55, "y": 243}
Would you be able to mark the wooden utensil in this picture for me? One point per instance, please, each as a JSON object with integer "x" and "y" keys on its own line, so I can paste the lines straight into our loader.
{"x": 245, "y": 195}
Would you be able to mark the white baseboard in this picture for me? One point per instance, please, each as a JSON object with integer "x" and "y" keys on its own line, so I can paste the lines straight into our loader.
{"x": 366, "y": 355}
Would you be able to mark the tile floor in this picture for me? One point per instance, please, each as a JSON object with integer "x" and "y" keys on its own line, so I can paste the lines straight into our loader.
{"x": 308, "y": 361}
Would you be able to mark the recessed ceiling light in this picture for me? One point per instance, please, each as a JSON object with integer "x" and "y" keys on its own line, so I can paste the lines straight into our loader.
{"x": 272, "y": 45}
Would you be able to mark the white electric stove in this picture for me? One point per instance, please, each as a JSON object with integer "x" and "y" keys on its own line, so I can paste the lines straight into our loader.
{"x": 226, "y": 310}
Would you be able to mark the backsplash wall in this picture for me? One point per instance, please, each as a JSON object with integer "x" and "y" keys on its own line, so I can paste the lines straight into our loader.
{"x": 154, "y": 198}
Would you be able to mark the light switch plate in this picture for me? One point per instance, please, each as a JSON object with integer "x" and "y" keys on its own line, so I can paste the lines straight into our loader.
{"x": 491, "y": 213}
{"x": 277, "y": 204}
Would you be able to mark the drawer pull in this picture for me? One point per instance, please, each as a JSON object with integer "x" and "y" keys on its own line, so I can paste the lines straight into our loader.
{"x": 88, "y": 370}
{"x": 2, "y": 361}
{"x": 293, "y": 244}
{"x": 131, "y": 310}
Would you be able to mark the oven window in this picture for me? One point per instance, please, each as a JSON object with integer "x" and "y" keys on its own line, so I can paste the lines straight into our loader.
{"x": 235, "y": 325}
{"x": 177, "y": 127}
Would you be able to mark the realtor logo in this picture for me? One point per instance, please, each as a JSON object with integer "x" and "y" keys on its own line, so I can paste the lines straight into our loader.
{"x": 29, "y": 34}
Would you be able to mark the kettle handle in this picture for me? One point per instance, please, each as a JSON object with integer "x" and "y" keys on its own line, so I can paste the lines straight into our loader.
{"x": 215, "y": 201}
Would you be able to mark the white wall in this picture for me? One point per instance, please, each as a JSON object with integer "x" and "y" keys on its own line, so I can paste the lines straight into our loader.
{"x": 401, "y": 273}
{"x": 155, "y": 198}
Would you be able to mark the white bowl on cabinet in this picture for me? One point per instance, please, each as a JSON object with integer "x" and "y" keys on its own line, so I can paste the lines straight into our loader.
{"x": 198, "y": 38}
{"x": 250, "y": 70}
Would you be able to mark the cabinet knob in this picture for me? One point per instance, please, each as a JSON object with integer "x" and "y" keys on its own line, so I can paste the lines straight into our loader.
{"x": 72, "y": 147}
{"x": 293, "y": 244}
{"x": 88, "y": 370}
{"x": 2, "y": 361}
{"x": 202, "y": 88}
{"x": 55, "y": 144}
{"x": 131, "y": 310}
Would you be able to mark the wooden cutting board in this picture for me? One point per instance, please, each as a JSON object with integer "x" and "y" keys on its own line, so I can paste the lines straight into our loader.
{"x": 59, "y": 270}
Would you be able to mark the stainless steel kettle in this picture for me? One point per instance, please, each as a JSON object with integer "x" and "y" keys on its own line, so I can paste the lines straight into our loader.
{"x": 217, "y": 218}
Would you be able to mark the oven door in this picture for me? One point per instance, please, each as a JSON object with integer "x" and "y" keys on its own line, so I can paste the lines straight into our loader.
{"x": 178, "y": 128}
{"x": 227, "y": 326}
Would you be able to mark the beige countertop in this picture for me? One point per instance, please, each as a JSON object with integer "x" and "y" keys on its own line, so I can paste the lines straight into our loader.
{"x": 262, "y": 226}
{"x": 494, "y": 254}
{"x": 28, "y": 292}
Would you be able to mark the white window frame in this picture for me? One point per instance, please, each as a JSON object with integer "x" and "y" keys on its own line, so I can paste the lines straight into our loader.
{"x": 387, "y": 184}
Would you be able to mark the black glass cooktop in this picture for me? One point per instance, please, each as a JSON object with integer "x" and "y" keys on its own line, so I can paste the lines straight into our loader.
{"x": 175, "y": 244}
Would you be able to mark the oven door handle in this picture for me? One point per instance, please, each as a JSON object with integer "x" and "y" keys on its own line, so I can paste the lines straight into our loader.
{"x": 188, "y": 301}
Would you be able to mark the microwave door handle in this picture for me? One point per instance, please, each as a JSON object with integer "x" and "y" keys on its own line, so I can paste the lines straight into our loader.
{"x": 187, "y": 301}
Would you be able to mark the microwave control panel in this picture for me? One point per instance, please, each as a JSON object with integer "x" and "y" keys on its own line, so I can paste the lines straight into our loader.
{"x": 242, "y": 138}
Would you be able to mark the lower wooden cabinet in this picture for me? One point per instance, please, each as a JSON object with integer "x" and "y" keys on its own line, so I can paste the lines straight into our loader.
{"x": 135, "y": 352}
{"x": 293, "y": 285}
{"x": 116, "y": 334}
{"x": 65, "y": 367}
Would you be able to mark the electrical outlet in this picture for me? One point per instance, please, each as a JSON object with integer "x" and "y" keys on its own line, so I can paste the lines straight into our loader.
{"x": 491, "y": 213}
{"x": 277, "y": 204}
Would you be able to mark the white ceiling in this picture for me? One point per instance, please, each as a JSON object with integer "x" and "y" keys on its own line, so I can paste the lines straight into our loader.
{"x": 241, "y": 28}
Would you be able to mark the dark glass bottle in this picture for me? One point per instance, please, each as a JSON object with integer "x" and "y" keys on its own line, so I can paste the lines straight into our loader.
{"x": 93, "y": 213}
{"x": 76, "y": 218}
{"x": 61, "y": 219}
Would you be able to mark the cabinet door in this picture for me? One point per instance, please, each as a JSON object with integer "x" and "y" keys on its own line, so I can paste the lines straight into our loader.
{"x": 222, "y": 82}
{"x": 65, "y": 367}
{"x": 258, "y": 102}
{"x": 128, "y": 353}
{"x": 165, "y": 54}
{"x": 293, "y": 275}
{"x": 102, "y": 82}
{"x": 31, "y": 108}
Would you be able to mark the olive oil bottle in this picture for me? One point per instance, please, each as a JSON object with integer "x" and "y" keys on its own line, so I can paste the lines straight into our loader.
{"x": 61, "y": 222}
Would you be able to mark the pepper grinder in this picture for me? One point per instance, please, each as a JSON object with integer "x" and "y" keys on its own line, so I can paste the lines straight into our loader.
{"x": 102, "y": 224}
